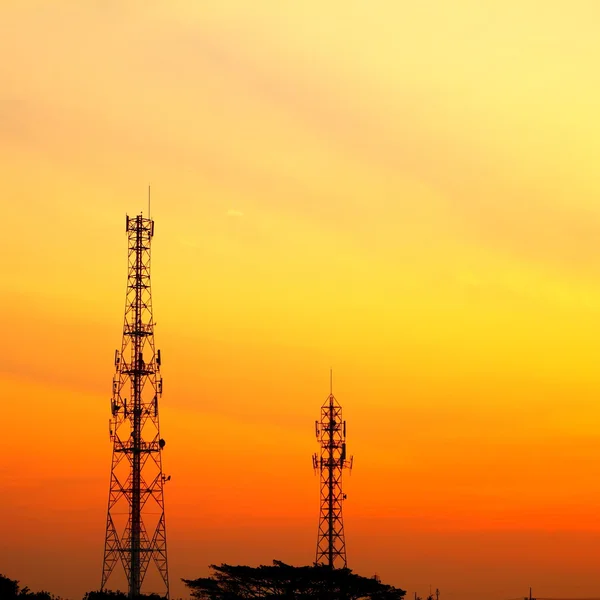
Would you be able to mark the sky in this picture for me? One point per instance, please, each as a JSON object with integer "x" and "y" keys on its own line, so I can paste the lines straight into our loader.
{"x": 404, "y": 192}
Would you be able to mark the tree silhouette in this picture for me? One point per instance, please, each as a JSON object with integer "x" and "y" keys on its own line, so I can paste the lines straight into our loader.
{"x": 110, "y": 595}
{"x": 105, "y": 595}
{"x": 286, "y": 582}
{"x": 10, "y": 590}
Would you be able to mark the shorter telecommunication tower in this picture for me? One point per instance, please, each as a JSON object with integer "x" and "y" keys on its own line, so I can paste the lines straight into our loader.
{"x": 135, "y": 527}
{"x": 331, "y": 434}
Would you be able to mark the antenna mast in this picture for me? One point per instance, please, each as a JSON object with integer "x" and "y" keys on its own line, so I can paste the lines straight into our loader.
{"x": 135, "y": 525}
{"x": 331, "y": 434}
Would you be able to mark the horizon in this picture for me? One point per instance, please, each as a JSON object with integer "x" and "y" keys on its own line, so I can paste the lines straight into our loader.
{"x": 405, "y": 194}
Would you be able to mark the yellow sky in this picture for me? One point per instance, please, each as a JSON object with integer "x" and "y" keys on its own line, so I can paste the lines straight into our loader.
{"x": 406, "y": 192}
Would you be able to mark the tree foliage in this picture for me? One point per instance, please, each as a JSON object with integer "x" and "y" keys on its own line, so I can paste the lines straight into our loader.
{"x": 10, "y": 590}
{"x": 105, "y": 595}
{"x": 287, "y": 582}
{"x": 110, "y": 595}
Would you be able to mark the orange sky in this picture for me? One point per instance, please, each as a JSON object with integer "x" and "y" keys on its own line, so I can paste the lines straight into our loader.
{"x": 404, "y": 191}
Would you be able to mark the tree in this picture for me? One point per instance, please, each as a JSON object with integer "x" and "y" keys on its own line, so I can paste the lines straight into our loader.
{"x": 26, "y": 593}
{"x": 286, "y": 582}
{"x": 105, "y": 595}
{"x": 10, "y": 590}
{"x": 110, "y": 595}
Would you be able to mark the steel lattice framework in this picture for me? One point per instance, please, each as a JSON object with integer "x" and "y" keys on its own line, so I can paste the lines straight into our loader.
{"x": 135, "y": 525}
{"x": 331, "y": 434}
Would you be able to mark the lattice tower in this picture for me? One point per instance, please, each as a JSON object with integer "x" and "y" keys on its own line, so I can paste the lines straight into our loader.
{"x": 330, "y": 463}
{"x": 135, "y": 525}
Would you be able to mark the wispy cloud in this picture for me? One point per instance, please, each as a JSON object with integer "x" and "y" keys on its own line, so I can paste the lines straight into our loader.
{"x": 234, "y": 213}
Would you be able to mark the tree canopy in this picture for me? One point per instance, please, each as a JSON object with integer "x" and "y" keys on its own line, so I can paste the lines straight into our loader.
{"x": 110, "y": 595}
{"x": 287, "y": 582}
{"x": 10, "y": 590}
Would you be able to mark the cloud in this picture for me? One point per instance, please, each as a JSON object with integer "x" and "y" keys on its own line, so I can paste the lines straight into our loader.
{"x": 234, "y": 213}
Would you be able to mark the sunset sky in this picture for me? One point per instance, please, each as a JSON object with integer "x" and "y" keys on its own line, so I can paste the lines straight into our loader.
{"x": 406, "y": 192}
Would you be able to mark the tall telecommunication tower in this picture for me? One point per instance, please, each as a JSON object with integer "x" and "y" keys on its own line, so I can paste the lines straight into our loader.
{"x": 331, "y": 434}
{"x": 135, "y": 525}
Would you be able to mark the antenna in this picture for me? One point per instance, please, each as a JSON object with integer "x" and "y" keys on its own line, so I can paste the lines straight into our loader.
{"x": 330, "y": 380}
{"x": 149, "y": 216}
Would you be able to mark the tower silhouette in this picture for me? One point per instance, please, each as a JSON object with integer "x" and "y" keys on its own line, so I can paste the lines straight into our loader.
{"x": 135, "y": 524}
{"x": 331, "y": 434}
